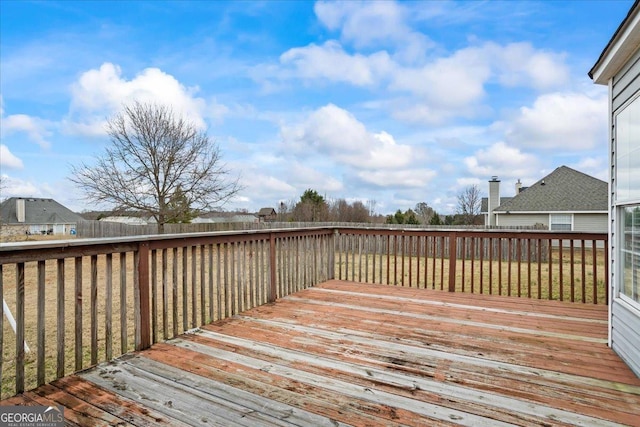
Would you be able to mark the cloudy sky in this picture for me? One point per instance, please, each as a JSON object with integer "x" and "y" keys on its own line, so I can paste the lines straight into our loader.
{"x": 391, "y": 102}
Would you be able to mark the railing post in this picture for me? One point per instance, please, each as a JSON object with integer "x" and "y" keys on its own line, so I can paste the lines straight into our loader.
{"x": 272, "y": 292}
{"x": 331, "y": 273}
{"x": 453, "y": 237}
{"x": 20, "y": 342}
{"x": 141, "y": 294}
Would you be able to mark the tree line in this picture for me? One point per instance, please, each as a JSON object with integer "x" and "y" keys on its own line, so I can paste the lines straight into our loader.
{"x": 313, "y": 207}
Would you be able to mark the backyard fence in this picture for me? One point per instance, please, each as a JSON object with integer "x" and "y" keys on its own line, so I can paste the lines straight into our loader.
{"x": 101, "y": 229}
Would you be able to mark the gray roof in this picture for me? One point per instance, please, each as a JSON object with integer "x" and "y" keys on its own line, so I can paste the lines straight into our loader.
{"x": 563, "y": 190}
{"x": 266, "y": 212}
{"x": 484, "y": 203}
{"x": 37, "y": 211}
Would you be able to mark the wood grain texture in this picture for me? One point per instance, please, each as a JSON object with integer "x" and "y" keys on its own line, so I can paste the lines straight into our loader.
{"x": 347, "y": 353}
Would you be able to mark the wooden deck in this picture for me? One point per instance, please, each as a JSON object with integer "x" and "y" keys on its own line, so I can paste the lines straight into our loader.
{"x": 345, "y": 353}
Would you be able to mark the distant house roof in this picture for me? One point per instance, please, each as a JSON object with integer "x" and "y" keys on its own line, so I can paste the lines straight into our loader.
{"x": 266, "y": 212}
{"x": 563, "y": 190}
{"x": 37, "y": 211}
{"x": 484, "y": 203}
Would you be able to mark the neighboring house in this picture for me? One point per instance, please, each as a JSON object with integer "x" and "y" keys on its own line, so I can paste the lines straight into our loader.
{"x": 618, "y": 67}
{"x": 267, "y": 215}
{"x": 565, "y": 200}
{"x": 27, "y": 215}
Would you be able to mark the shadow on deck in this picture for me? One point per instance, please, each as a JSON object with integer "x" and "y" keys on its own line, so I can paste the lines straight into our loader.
{"x": 345, "y": 353}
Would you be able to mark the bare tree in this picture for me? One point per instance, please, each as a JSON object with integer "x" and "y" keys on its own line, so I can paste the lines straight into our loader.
{"x": 342, "y": 211}
{"x": 371, "y": 207}
{"x": 424, "y": 212}
{"x": 469, "y": 203}
{"x": 156, "y": 159}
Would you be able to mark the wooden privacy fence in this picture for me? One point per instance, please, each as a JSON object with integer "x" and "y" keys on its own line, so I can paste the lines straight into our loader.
{"x": 79, "y": 302}
{"x": 569, "y": 266}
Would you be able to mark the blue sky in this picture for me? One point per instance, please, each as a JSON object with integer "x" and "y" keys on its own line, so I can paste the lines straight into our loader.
{"x": 392, "y": 103}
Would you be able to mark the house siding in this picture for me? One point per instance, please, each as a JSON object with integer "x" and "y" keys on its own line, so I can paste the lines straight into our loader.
{"x": 625, "y": 334}
{"x": 624, "y": 319}
{"x": 626, "y": 83}
{"x": 596, "y": 223}
{"x": 522, "y": 220}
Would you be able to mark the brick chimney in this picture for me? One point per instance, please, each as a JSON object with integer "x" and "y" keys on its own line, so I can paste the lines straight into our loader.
{"x": 494, "y": 198}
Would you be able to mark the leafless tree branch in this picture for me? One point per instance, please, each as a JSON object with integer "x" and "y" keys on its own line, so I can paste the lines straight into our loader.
{"x": 155, "y": 159}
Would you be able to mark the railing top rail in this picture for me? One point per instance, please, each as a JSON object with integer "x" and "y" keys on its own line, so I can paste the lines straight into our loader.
{"x": 53, "y": 249}
{"x": 62, "y": 243}
{"x": 490, "y": 233}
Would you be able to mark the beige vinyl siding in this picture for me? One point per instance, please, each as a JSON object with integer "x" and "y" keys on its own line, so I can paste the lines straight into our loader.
{"x": 522, "y": 220}
{"x": 596, "y": 223}
{"x": 625, "y": 335}
{"x": 626, "y": 83}
{"x": 625, "y": 318}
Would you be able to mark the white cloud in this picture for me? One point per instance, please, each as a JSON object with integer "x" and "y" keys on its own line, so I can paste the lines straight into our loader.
{"x": 594, "y": 166}
{"x": 560, "y": 121}
{"x": 336, "y": 133}
{"x": 303, "y": 177}
{"x": 466, "y": 182}
{"x": 8, "y": 159}
{"x": 444, "y": 87}
{"x": 450, "y": 82}
{"x": 454, "y": 85}
{"x": 35, "y": 128}
{"x": 265, "y": 189}
{"x": 520, "y": 64}
{"x": 21, "y": 188}
{"x": 502, "y": 160}
{"x": 374, "y": 24}
{"x": 400, "y": 178}
{"x": 101, "y": 92}
{"x": 330, "y": 62}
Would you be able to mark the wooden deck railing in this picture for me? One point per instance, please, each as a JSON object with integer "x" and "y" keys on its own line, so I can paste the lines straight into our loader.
{"x": 569, "y": 266}
{"x": 79, "y": 302}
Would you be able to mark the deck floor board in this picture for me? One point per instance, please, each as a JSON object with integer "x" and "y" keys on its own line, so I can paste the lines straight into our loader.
{"x": 346, "y": 353}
